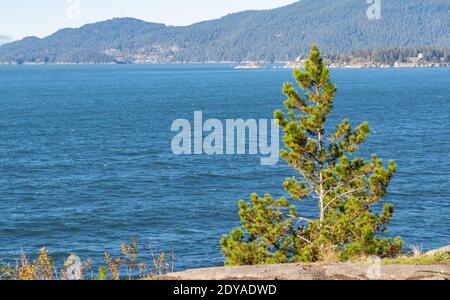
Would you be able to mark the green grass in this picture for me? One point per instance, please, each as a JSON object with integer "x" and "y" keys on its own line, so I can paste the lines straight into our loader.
{"x": 438, "y": 259}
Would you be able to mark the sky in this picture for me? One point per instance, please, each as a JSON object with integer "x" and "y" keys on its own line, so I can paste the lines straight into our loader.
{"x": 21, "y": 18}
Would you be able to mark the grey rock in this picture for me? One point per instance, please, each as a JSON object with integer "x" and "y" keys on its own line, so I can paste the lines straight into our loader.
{"x": 317, "y": 272}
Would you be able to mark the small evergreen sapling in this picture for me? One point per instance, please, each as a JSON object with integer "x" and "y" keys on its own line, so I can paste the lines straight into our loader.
{"x": 345, "y": 187}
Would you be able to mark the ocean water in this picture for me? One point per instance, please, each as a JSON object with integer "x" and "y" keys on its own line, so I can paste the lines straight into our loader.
{"x": 86, "y": 162}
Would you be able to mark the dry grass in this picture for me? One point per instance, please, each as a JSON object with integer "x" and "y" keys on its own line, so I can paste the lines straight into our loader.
{"x": 416, "y": 250}
{"x": 127, "y": 266}
{"x": 329, "y": 254}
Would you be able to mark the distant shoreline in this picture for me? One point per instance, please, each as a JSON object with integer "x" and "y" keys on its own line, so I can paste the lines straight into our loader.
{"x": 233, "y": 64}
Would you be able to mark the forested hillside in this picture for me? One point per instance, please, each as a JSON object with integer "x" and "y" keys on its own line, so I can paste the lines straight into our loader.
{"x": 272, "y": 35}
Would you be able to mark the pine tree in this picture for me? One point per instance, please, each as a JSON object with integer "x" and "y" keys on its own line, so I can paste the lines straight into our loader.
{"x": 345, "y": 187}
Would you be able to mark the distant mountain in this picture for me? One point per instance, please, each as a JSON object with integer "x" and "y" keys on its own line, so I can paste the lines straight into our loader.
{"x": 4, "y": 39}
{"x": 271, "y": 35}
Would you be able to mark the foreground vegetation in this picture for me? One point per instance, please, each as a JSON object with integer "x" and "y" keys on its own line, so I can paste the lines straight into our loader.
{"x": 124, "y": 268}
{"x": 128, "y": 266}
{"x": 441, "y": 258}
{"x": 345, "y": 187}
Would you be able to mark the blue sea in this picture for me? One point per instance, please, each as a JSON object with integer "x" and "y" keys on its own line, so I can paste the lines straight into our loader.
{"x": 86, "y": 160}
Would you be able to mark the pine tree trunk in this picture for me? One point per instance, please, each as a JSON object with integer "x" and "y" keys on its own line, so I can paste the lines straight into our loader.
{"x": 321, "y": 187}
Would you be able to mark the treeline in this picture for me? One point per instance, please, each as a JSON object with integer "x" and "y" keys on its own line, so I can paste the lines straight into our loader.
{"x": 393, "y": 55}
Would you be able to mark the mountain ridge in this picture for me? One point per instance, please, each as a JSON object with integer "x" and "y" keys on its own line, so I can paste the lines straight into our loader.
{"x": 279, "y": 34}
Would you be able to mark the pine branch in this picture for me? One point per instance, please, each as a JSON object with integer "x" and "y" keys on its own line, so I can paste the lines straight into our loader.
{"x": 342, "y": 195}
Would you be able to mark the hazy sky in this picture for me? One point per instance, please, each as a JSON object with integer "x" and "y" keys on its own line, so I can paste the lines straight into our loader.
{"x": 20, "y": 18}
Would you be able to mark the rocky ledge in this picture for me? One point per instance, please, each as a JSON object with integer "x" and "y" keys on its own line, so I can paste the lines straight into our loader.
{"x": 433, "y": 265}
{"x": 318, "y": 272}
